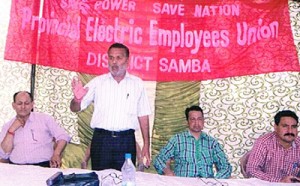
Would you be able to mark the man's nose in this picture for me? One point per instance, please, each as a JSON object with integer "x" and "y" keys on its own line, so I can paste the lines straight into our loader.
{"x": 114, "y": 60}
{"x": 290, "y": 129}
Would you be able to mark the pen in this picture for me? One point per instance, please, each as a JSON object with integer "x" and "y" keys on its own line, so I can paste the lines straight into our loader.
{"x": 295, "y": 165}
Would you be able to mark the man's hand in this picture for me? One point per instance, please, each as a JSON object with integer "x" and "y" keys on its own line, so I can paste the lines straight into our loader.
{"x": 19, "y": 122}
{"x": 290, "y": 179}
{"x": 84, "y": 164}
{"x": 168, "y": 172}
{"x": 55, "y": 161}
{"x": 78, "y": 90}
{"x": 146, "y": 156}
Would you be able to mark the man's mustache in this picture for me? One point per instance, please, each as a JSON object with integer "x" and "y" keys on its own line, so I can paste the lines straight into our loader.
{"x": 289, "y": 134}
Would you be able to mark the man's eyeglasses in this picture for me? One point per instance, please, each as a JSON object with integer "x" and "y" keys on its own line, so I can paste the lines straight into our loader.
{"x": 213, "y": 183}
{"x": 111, "y": 179}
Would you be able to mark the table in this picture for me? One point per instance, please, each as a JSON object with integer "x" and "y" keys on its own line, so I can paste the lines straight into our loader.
{"x": 18, "y": 175}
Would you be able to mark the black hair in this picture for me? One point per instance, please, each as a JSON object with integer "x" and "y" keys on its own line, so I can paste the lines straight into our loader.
{"x": 285, "y": 113}
{"x": 192, "y": 108}
{"x": 30, "y": 95}
{"x": 120, "y": 45}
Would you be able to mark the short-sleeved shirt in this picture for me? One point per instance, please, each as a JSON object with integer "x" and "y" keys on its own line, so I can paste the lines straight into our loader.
{"x": 117, "y": 106}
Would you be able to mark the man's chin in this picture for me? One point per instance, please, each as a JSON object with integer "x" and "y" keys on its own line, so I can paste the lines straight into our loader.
{"x": 197, "y": 130}
{"x": 289, "y": 139}
{"x": 25, "y": 113}
{"x": 117, "y": 73}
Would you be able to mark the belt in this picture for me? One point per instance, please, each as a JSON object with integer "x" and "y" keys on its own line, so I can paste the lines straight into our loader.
{"x": 114, "y": 134}
{"x": 42, "y": 164}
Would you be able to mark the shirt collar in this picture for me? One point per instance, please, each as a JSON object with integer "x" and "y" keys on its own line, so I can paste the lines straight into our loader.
{"x": 30, "y": 116}
{"x": 203, "y": 135}
{"x": 127, "y": 75}
{"x": 295, "y": 143}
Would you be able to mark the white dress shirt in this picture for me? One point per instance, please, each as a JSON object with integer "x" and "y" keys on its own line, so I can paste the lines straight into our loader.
{"x": 117, "y": 106}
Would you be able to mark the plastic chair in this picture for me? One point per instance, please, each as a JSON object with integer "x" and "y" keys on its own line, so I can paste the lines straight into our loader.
{"x": 243, "y": 163}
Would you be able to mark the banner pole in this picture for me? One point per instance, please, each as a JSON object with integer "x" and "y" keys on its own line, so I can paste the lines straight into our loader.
{"x": 33, "y": 66}
{"x": 32, "y": 79}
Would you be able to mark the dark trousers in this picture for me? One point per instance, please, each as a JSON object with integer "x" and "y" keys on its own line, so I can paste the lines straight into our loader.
{"x": 108, "y": 148}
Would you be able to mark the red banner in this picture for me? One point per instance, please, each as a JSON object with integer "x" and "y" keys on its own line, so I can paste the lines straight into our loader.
{"x": 169, "y": 41}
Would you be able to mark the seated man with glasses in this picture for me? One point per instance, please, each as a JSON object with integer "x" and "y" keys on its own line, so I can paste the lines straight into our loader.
{"x": 195, "y": 153}
{"x": 275, "y": 156}
{"x": 27, "y": 139}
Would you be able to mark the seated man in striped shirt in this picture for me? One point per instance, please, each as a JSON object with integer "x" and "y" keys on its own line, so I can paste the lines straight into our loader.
{"x": 195, "y": 153}
{"x": 275, "y": 156}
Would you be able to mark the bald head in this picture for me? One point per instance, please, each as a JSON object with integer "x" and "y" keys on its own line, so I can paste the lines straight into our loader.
{"x": 22, "y": 92}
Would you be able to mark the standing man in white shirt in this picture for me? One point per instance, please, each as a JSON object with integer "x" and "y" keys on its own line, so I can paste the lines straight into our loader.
{"x": 120, "y": 107}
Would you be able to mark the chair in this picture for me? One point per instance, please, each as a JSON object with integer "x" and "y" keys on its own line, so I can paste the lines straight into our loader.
{"x": 243, "y": 163}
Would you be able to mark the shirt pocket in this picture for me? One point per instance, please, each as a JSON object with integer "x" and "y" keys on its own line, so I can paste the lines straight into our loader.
{"x": 39, "y": 135}
{"x": 269, "y": 157}
{"x": 131, "y": 103}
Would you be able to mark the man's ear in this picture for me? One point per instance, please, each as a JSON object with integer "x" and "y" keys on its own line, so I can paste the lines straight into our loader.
{"x": 13, "y": 105}
{"x": 275, "y": 127}
{"x": 32, "y": 106}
